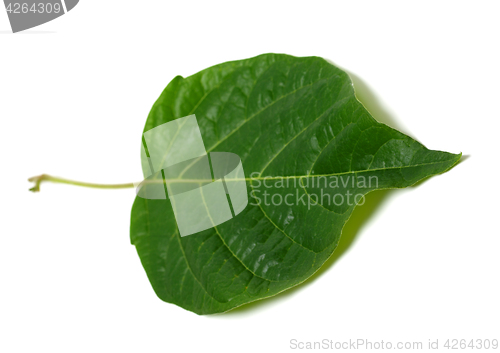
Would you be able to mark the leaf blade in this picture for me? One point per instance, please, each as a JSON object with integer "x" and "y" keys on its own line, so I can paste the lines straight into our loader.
{"x": 269, "y": 110}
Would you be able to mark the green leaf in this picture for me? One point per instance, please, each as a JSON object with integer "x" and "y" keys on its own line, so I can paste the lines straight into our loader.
{"x": 284, "y": 116}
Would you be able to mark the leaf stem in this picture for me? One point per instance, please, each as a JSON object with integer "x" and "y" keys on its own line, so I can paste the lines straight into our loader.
{"x": 45, "y": 177}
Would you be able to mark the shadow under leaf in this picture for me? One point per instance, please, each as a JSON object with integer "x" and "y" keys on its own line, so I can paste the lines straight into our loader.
{"x": 359, "y": 218}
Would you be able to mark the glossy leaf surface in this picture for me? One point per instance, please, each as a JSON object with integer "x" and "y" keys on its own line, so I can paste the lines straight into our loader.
{"x": 289, "y": 119}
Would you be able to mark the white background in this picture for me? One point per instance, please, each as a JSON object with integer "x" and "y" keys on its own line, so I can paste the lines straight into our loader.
{"x": 74, "y": 96}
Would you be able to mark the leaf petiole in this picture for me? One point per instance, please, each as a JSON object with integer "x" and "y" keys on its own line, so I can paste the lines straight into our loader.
{"x": 45, "y": 177}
